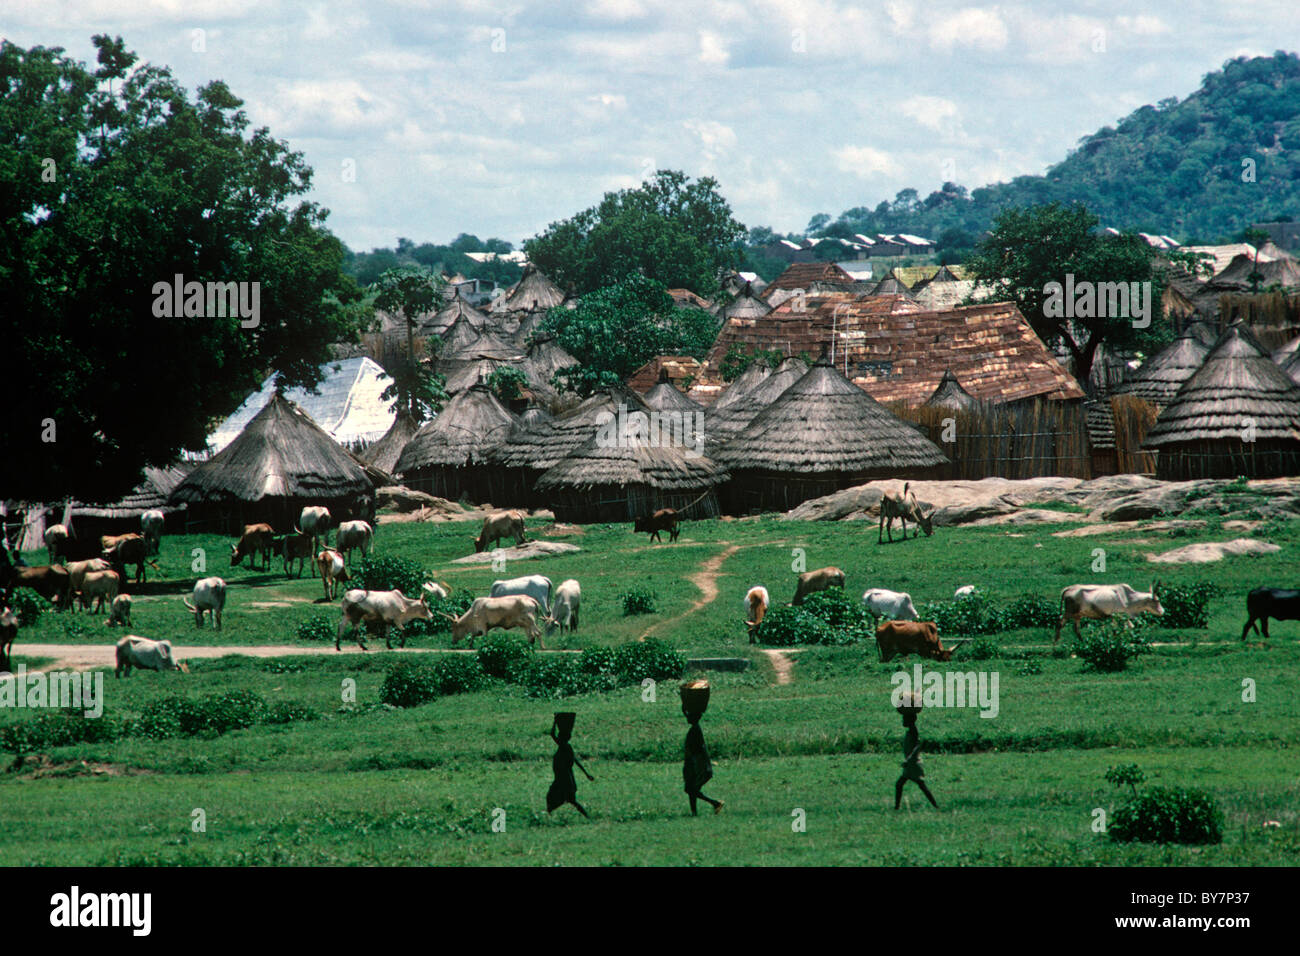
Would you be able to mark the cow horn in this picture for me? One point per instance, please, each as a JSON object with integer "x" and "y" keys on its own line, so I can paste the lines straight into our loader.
{"x": 956, "y": 644}
{"x": 183, "y": 667}
{"x": 450, "y": 617}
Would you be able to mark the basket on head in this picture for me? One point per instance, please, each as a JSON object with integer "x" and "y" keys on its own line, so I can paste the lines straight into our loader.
{"x": 564, "y": 721}
{"x": 695, "y": 696}
{"x": 910, "y": 702}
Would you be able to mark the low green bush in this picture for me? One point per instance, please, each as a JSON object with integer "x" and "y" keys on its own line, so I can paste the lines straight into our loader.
{"x": 1187, "y": 605}
{"x": 848, "y": 619}
{"x": 639, "y": 601}
{"x": 58, "y": 728}
{"x": 1029, "y": 611}
{"x": 318, "y": 628}
{"x": 388, "y": 572}
{"x": 29, "y": 606}
{"x": 1160, "y": 814}
{"x": 555, "y": 677}
{"x": 787, "y": 625}
{"x": 505, "y": 657}
{"x": 409, "y": 684}
{"x": 637, "y": 660}
{"x": 1109, "y": 646}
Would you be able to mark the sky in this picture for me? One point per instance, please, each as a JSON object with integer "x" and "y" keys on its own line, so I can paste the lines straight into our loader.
{"x": 426, "y": 119}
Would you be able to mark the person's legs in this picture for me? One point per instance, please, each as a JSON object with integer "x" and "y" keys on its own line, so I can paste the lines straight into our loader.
{"x": 694, "y": 811}
{"x": 716, "y": 804}
{"x": 926, "y": 790}
{"x": 584, "y": 812}
{"x": 898, "y": 792}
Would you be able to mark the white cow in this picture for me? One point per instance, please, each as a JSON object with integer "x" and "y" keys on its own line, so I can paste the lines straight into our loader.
{"x": 151, "y": 524}
{"x": 209, "y": 595}
{"x": 56, "y": 537}
{"x": 965, "y": 591}
{"x": 890, "y": 605}
{"x": 119, "y": 612}
{"x": 433, "y": 590}
{"x": 133, "y": 651}
{"x": 1097, "y": 601}
{"x": 332, "y": 571}
{"x": 757, "y": 602}
{"x": 511, "y": 611}
{"x": 354, "y": 534}
{"x": 100, "y": 587}
{"x": 535, "y": 586}
{"x": 316, "y": 521}
{"x": 564, "y": 613}
{"x": 382, "y": 609}
{"x": 77, "y": 571}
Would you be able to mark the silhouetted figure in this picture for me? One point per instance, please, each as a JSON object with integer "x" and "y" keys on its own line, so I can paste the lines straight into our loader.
{"x": 697, "y": 769}
{"x": 564, "y": 788}
{"x": 912, "y": 770}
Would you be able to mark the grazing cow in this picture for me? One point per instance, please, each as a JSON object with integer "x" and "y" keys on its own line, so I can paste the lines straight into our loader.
{"x": 1099, "y": 601}
{"x": 119, "y": 612}
{"x": 890, "y": 605}
{"x": 564, "y": 612}
{"x": 257, "y": 539}
{"x": 965, "y": 591}
{"x": 123, "y": 549}
{"x": 381, "y": 608}
{"x": 895, "y": 638}
{"x": 354, "y": 534}
{"x": 100, "y": 587}
{"x": 516, "y": 610}
{"x": 316, "y": 521}
{"x": 500, "y": 525}
{"x": 295, "y": 547}
{"x": 332, "y": 571}
{"x": 8, "y": 631}
{"x": 903, "y": 506}
{"x": 56, "y": 541}
{"x": 151, "y": 526}
{"x": 665, "y": 519}
{"x": 147, "y": 655}
{"x": 756, "y": 604}
{"x": 819, "y": 580}
{"x": 52, "y": 582}
{"x": 1263, "y": 603}
{"x": 209, "y": 595}
{"x": 432, "y": 590}
{"x": 77, "y": 571}
{"x": 536, "y": 586}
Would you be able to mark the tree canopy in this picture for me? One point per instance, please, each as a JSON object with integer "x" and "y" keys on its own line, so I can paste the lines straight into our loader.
{"x": 670, "y": 229}
{"x": 113, "y": 183}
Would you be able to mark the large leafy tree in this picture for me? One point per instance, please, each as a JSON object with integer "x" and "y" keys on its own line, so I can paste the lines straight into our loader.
{"x": 114, "y": 181}
{"x": 617, "y": 329}
{"x": 409, "y": 293}
{"x": 673, "y": 230}
{"x": 1031, "y": 249}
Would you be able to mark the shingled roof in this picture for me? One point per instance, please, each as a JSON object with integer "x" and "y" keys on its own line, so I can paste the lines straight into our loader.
{"x": 801, "y": 275}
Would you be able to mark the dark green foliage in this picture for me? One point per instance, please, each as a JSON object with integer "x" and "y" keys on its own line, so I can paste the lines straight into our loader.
{"x": 979, "y": 649}
{"x": 847, "y": 620}
{"x": 1160, "y": 814}
{"x": 651, "y": 658}
{"x": 1029, "y": 611}
{"x": 962, "y": 618}
{"x": 317, "y": 628}
{"x": 507, "y": 382}
{"x": 639, "y": 601}
{"x": 459, "y": 674}
{"x": 1187, "y": 605}
{"x": 29, "y": 606}
{"x": 389, "y": 573}
{"x": 599, "y": 660}
{"x": 554, "y": 677}
{"x": 1129, "y": 773}
{"x": 505, "y": 657}
{"x": 786, "y": 625}
{"x": 455, "y": 604}
{"x": 411, "y": 683}
{"x": 1109, "y": 645}
{"x": 58, "y": 728}
{"x": 739, "y": 357}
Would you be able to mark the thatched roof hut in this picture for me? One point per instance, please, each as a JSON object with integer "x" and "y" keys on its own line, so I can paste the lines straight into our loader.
{"x": 90, "y": 520}
{"x": 459, "y": 307}
{"x": 950, "y": 394}
{"x": 1239, "y": 414}
{"x": 281, "y": 461}
{"x": 532, "y": 293}
{"x": 723, "y": 421}
{"x": 746, "y": 305}
{"x": 383, "y": 454}
{"x": 891, "y": 285}
{"x": 448, "y": 457}
{"x": 666, "y": 397}
{"x": 823, "y": 434}
{"x": 545, "y": 357}
{"x": 628, "y": 478}
{"x": 1160, "y": 377}
{"x": 744, "y": 383}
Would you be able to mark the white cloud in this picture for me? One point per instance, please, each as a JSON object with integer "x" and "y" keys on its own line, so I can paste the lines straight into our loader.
{"x": 977, "y": 27}
{"x": 1142, "y": 25}
{"x": 933, "y": 112}
{"x": 616, "y": 9}
{"x": 865, "y": 162}
{"x": 713, "y": 50}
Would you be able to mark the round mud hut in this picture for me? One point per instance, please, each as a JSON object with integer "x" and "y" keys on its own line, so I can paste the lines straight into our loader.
{"x": 823, "y": 434}
{"x": 383, "y": 454}
{"x": 280, "y": 462}
{"x": 1238, "y": 415}
{"x": 448, "y": 457}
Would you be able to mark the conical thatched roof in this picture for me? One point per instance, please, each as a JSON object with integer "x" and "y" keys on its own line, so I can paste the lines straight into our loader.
{"x": 1237, "y": 383}
{"x": 746, "y": 305}
{"x": 1204, "y": 333}
{"x": 1283, "y": 354}
{"x": 745, "y": 382}
{"x": 950, "y": 394}
{"x": 891, "y": 285}
{"x": 1159, "y": 379}
{"x": 533, "y": 292}
{"x": 543, "y": 447}
{"x": 632, "y": 461}
{"x": 153, "y": 492}
{"x": 487, "y": 344}
{"x": 1292, "y": 367}
{"x": 281, "y": 453}
{"x": 444, "y": 318}
{"x": 723, "y": 422}
{"x": 384, "y": 453}
{"x": 544, "y": 359}
{"x": 666, "y": 397}
{"x": 824, "y": 423}
{"x": 1279, "y": 272}
{"x": 467, "y": 429}
{"x": 534, "y": 416}
{"x": 469, "y": 374}
{"x": 458, "y": 336}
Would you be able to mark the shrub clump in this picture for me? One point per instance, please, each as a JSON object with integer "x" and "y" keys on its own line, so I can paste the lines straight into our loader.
{"x": 639, "y": 601}
{"x": 454, "y": 604}
{"x": 848, "y": 620}
{"x": 787, "y": 625}
{"x": 29, "y": 606}
{"x": 504, "y": 657}
{"x": 1109, "y": 647}
{"x": 1187, "y": 605}
{"x": 56, "y": 729}
{"x": 1168, "y": 815}
{"x": 1029, "y": 611}
{"x": 651, "y": 658}
{"x": 412, "y": 683}
{"x": 388, "y": 573}
{"x": 317, "y": 628}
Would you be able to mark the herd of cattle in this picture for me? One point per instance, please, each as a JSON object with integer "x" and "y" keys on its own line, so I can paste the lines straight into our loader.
{"x": 529, "y": 603}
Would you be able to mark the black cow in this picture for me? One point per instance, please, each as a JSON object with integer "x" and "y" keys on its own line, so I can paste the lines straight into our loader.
{"x": 1263, "y": 603}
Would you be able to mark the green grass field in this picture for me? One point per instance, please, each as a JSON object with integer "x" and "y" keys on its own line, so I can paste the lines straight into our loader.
{"x": 368, "y": 784}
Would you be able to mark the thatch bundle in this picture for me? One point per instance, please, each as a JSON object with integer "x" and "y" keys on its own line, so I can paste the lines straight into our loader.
{"x": 1239, "y": 414}
{"x": 629, "y": 475}
{"x": 949, "y": 394}
{"x": 281, "y": 461}
{"x": 446, "y": 317}
{"x": 486, "y": 344}
{"x": 724, "y": 421}
{"x": 383, "y": 454}
{"x": 545, "y": 357}
{"x": 745, "y": 382}
{"x": 465, "y": 375}
{"x": 666, "y": 397}
{"x": 532, "y": 293}
{"x": 822, "y": 434}
{"x": 448, "y": 457}
{"x": 1159, "y": 379}
{"x": 746, "y": 305}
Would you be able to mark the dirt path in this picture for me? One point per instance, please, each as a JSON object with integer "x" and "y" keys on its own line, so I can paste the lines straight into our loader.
{"x": 782, "y": 664}
{"x": 80, "y": 657}
{"x": 706, "y": 579}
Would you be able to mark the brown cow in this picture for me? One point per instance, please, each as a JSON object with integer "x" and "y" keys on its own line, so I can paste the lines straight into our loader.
{"x": 8, "y": 631}
{"x": 498, "y": 525}
{"x": 295, "y": 547}
{"x": 756, "y": 602}
{"x": 51, "y": 581}
{"x": 819, "y": 580}
{"x": 903, "y": 506}
{"x": 665, "y": 519}
{"x": 332, "y": 571}
{"x": 123, "y": 549}
{"x": 256, "y": 539}
{"x": 895, "y": 638}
